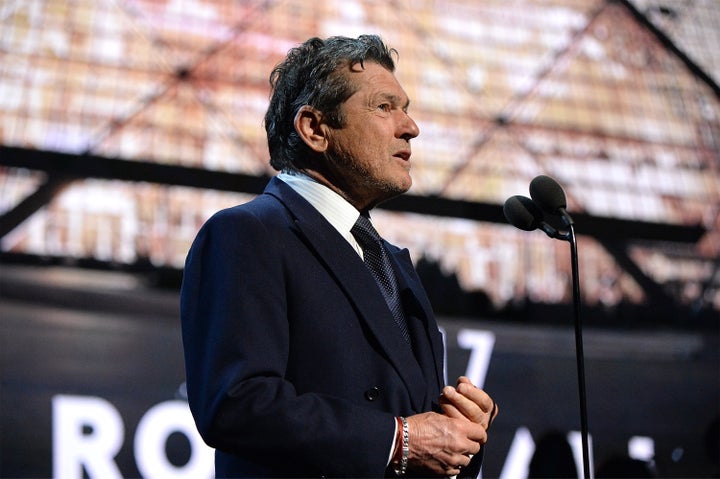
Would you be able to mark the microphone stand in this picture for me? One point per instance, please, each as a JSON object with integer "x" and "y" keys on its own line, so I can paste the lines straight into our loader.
{"x": 521, "y": 219}
{"x": 579, "y": 353}
{"x": 569, "y": 236}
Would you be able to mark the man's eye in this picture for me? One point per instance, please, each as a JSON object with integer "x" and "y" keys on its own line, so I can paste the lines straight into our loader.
{"x": 385, "y": 107}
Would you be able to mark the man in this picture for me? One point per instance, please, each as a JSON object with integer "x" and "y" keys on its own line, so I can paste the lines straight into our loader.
{"x": 301, "y": 358}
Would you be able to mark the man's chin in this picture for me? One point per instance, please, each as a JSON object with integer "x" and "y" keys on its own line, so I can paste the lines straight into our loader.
{"x": 393, "y": 191}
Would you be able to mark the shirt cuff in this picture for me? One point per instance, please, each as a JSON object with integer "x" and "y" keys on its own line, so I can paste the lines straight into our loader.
{"x": 394, "y": 442}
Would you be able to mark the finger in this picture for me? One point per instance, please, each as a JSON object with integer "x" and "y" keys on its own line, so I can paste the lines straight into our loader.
{"x": 493, "y": 414}
{"x": 452, "y": 471}
{"x": 459, "y": 462}
{"x": 477, "y": 436}
{"x": 474, "y": 403}
{"x": 450, "y": 410}
{"x": 475, "y": 445}
{"x": 488, "y": 406}
{"x": 464, "y": 379}
{"x": 476, "y": 395}
{"x": 465, "y": 405}
{"x": 448, "y": 407}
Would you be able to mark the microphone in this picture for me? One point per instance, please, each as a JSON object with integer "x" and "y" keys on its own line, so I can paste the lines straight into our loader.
{"x": 523, "y": 213}
{"x": 550, "y": 197}
{"x": 527, "y": 214}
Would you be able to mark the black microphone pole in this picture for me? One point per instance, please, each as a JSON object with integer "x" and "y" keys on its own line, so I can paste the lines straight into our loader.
{"x": 579, "y": 354}
{"x": 551, "y": 198}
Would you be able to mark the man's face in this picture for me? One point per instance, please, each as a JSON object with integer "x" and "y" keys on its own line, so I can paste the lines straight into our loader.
{"x": 369, "y": 156}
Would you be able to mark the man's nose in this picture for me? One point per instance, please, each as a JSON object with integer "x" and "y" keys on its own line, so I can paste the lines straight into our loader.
{"x": 408, "y": 128}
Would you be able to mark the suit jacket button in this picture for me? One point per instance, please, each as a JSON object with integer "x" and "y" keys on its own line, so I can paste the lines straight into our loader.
{"x": 372, "y": 393}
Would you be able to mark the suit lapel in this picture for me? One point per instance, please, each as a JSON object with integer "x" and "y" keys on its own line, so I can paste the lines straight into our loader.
{"x": 342, "y": 262}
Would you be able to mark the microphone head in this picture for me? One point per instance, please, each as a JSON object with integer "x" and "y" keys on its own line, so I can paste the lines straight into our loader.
{"x": 522, "y": 213}
{"x": 548, "y": 194}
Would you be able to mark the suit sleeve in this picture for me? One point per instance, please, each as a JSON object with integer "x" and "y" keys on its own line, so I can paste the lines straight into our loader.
{"x": 236, "y": 340}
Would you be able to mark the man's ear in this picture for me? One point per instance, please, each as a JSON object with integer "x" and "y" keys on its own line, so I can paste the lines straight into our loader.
{"x": 309, "y": 125}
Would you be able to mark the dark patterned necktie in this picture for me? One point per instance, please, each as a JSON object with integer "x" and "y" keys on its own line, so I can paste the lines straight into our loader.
{"x": 377, "y": 260}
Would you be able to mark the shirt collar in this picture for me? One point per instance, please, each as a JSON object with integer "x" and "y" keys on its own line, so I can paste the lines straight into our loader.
{"x": 333, "y": 207}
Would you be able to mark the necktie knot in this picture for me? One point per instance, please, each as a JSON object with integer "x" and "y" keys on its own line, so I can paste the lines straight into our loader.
{"x": 364, "y": 232}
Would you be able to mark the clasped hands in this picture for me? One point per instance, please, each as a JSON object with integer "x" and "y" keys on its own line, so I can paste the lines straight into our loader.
{"x": 444, "y": 443}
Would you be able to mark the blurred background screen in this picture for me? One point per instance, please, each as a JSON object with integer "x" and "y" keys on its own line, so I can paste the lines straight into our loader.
{"x": 124, "y": 124}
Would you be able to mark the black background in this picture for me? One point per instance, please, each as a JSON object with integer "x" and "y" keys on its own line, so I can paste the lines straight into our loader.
{"x": 65, "y": 331}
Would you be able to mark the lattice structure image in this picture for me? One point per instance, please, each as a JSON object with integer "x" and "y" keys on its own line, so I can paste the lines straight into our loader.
{"x": 125, "y": 124}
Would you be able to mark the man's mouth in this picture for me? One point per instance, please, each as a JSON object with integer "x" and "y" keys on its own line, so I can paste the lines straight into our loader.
{"x": 403, "y": 155}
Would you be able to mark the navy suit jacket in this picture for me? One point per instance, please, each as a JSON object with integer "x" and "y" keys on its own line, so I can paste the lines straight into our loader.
{"x": 294, "y": 364}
